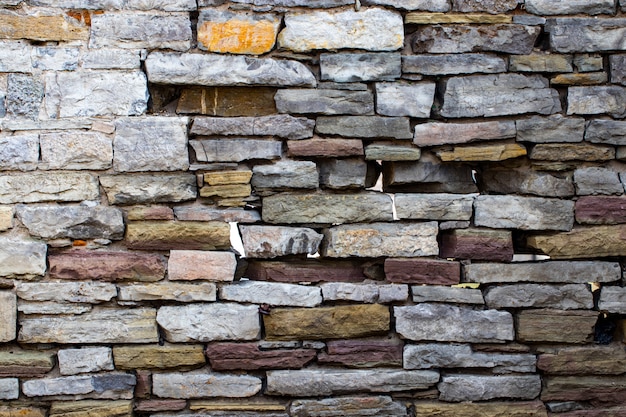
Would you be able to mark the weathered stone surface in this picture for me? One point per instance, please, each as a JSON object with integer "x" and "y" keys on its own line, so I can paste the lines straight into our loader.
{"x": 323, "y": 382}
{"x": 436, "y": 294}
{"x": 168, "y": 291}
{"x": 8, "y": 317}
{"x": 73, "y": 292}
{"x": 429, "y": 134}
{"x": 235, "y": 150}
{"x": 580, "y": 388}
{"x": 271, "y": 293}
{"x": 364, "y": 126}
{"x": 95, "y": 93}
{"x": 286, "y": 174}
{"x": 151, "y": 212}
{"x": 248, "y": 356}
{"x": 106, "y": 58}
{"x": 75, "y": 150}
{"x": 311, "y": 270}
{"x": 74, "y": 222}
{"x": 597, "y": 100}
{"x": 348, "y": 406}
{"x": 209, "y": 322}
{"x": 498, "y": 95}
{"x": 455, "y": 388}
{"x": 544, "y": 7}
{"x": 351, "y": 67}
{"x": 398, "y": 99}
{"x": 55, "y": 59}
{"x": 327, "y": 208}
{"x": 586, "y": 78}
{"x": 572, "y": 152}
{"x": 190, "y": 265}
{"x": 562, "y": 297}
{"x": 118, "y": 408}
{"x": 365, "y": 293}
{"x": 214, "y": 69}
{"x": 346, "y": 173}
{"x": 447, "y": 18}
{"x": 429, "y": 5}
{"x": 15, "y": 362}
{"x": 228, "y": 101}
{"x": 495, "y": 152}
{"x": 42, "y": 28}
{"x": 152, "y": 188}
{"x": 554, "y": 128}
{"x": 611, "y": 132}
{"x": 19, "y": 152}
{"x": 49, "y": 186}
{"x": 428, "y": 175}
{"x": 52, "y": 307}
{"x": 541, "y": 63}
{"x": 524, "y": 213}
{"x": 505, "y": 180}
{"x": 131, "y": 357}
{"x": 458, "y": 38}
{"x": 274, "y": 241}
{"x": 381, "y": 151}
{"x": 580, "y": 34}
{"x": 362, "y": 353}
{"x": 584, "y": 360}
{"x": 227, "y": 177}
{"x": 422, "y": 271}
{"x": 618, "y": 71}
{"x": 434, "y": 206}
{"x": 555, "y": 326}
{"x": 226, "y": 191}
{"x": 438, "y": 355}
{"x": 288, "y": 3}
{"x": 200, "y": 213}
{"x": 237, "y": 33}
{"x": 168, "y": 6}
{"x": 16, "y": 56}
{"x": 327, "y": 322}
{"x": 381, "y": 239}
{"x": 202, "y": 384}
{"x": 107, "y": 266}
{"x": 469, "y": 409}
{"x": 613, "y": 300}
{"x": 164, "y": 235}
{"x": 597, "y": 180}
{"x": 451, "y": 64}
{"x": 104, "y": 325}
{"x": 88, "y": 359}
{"x": 372, "y": 29}
{"x": 9, "y": 388}
{"x": 6, "y": 218}
{"x": 600, "y": 210}
{"x": 326, "y": 101}
{"x": 325, "y": 148}
{"x": 477, "y": 244}
{"x": 22, "y": 257}
{"x": 449, "y": 323}
{"x": 581, "y": 242}
{"x": 491, "y": 6}
{"x": 550, "y": 272}
{"x": 280, "y": 125}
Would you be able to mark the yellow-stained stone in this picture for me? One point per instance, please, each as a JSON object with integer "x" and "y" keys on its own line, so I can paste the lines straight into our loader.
{"x": 166, "y": 235}
{"x": 582, "y": 242}
{"x": 261, "y": 405}
{"x": 572, "y": 152}
{"x": 158, "y": 357}
{"x": 6, "y": 218}
{"x": 231, "y": 202}
{"x": 468, "y": 409}
{"x": 42, "y": 28}
{"x": 238, "y": 36}
{"x": 342, "y": 322}
{"x": 227, "y": 177}
{"x": 228, "y": 101}
{"x": 91, "y": 408}
{"x": 540, "y": 63}
{"x": 438, "y": 18}
{"x": 583, "y": 78}
{"x": 226, "y": 191}
{"x": 21, "y": 411}
{"x": 18, "y": 362}
{"x": 481, "y": 153}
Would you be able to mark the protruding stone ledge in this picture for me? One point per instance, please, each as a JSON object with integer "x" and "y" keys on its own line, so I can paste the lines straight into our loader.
{"x": 48, "y": 186}
{"x": 152, "y": 188}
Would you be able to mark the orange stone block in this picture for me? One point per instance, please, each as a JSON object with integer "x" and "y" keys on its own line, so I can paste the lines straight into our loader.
{"x": 239, "y": 35}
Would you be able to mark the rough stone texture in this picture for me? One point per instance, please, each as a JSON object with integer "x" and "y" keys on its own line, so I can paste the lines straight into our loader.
{"x": 73, "y": 292}
{"x": 346, "y": 173}
{"x": 429, "y": 5}
{"x": 588, "y": 78}
{"x": 584, "y": 360}
{"x": 42, "y": 28}
{"x": 90, "y": 359}
{"x": 275, "y": 241}
{"x": 434, "y": 206}
{"x": 498, "y": 95}
{"x": 325, "y": 148}
{"x": 21, "y": 257}
{"x": 572, "y": 152}
{"x": 164, "y": 235}
{"x": 209, "y": 322}
{"x": 16, "y": 56}
{"x": 97, "y": 408}
{"x": 580, "y": 34}
{"x": 311, "y": 270}
{"x": 581, "y": 242}
{"x": 597, "y": 100}
{"x": 381, "y": 151}
{"x": 381, "y": 239}
{"x": 396, "y": 99}
{"x": 107, "y": 266}
{"x": 363, "y": 353}
{"x": 563, "y": 297}
{"x": 248, "y": 356}
{"x": 169, "y": 6}
{"x": 550, "y": 129}
{"x": 600, "y": 210}
{"x": 348, "y": 67}
{"x": 19, "y": 152}
{"x": 198, "y": 213}
{"x": 364, "y": 126}
{"x": 109, "y": 58}
{"x": 187, "y": 265}
{"x": 348, "y": 406}
{"x": 286, "y": 174}
{"x": 168, "y": 291}
{"x": 329, "y": 102}
{"x": 429, "y": 176}
{"x": 549, "y": 272}
{"x": 23, "y": 96}
{"x": 477, "y": 244}
{"x": 449, "y": 323}
{"x": 422, "y": 271}
{"x": 618, "y": 73}
{"x": 525, "y": 181}
{"x": 49, "y": 186}
{"x": 104, "y": 325}
{"x": 429, "y": 134}
{"x": 491, "y": 152}
{"x": 576, "y": 388}
{"x": 323, "y": 382}
{"x": 272, "y": 293}
{"x": 131, "y": 357}
{"x": 372, "y": 29}
{"x": 74, "y": 222}
{"x": 16, "y": 362}
{"x": 596, "y": 180}
{"x": 153, "y": 188}
{"x": 213, "y": 69}
{"x": 436, "y": 294}
{"x": 611, "y": 132}
{"x": 523, "y": 213}
{"x": 327, "y": 208}
{"x": 491, "y": 6}
{"x": 612, "y": 300}
{"x": 327, "y": 322}
{"x": 227, "y": 101}
{"x": 6, "y": 218}
{"x": 452, "y": 64}
{"x": 541, "y": 63}
{"x": 201, "y": 385}
{"x": 506, "y": 38}
{"x": 544, "y": 7}
{"x": 365, "y": 293}
{"x": 75, "y": 150}
{"x": 495, "y": 409}
{"x": 235, "y": 150}
{"x": 9, "y": 389}
{"x": 281, "y": 125}
{"x": 555, "y": 326}
{"x": 477, "y": 388}
{"x": 52, "y": 307}
{"x": 8, "y": 316}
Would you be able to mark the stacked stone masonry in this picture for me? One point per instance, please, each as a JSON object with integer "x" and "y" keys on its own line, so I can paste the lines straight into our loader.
{"x": 308, "y": 208}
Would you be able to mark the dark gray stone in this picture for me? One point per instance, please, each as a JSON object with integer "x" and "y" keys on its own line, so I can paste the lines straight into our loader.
{"x": 280, "y": 125}
{"x": 597, "y": 181}
{"x": 329, "y": 102}
{"x": 235, "y": 150}
{"x": 428, "y": 175}
{"x": 343, "y": 173}
{"x": 597, "y": 100}
{"x": 582, "y": 34}
{"x": 560, "y": 297}
{"x": 285, "y": 174}
{"x": 551, "y": 7}
{"x": 348, "y": 67}
{"x": 550, "y": 129}
{"x": 612, "y": 132}
{"x": 24, "y": 95}
{"x": 489, "y": 6}
{"x": 451, "y": 64}
{"x": 618, "y": 69}
{"x": 150, "y": 188}
{"x": 527, "y": 181}
{"x": 364, "y": 126}
{"x": 579, "y": 272}
{"x": 428, "y": 5}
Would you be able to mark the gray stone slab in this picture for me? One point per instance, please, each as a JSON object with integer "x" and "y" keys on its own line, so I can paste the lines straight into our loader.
{"x": 48, "y": 186}
{"x": 201, "y": 384}
{"x": 551, "y": 129}
{"x": 111, "y": 58}
{"x": 276, "y": 294}
{"x": 8, "y": 317}
{"x": 87, "y": 359}
{"x": 329, "y": 102}
{"x": 548, "y": 8}
{"x": 76, "y": 150}
{"x": 364, "y": 293}
{"x": 15, "y": 56}
{"x": 149, "y": 188}
{"x": 434, "y": 206}
{"x": 490, "y": 6}
{"x": 285, "y": 174}
{"x": 597, "y": 181}
{"x": 344, "y": 173}
{"x": 436, "y": 133}
{"x": 561, "y": 297}
{"x": 348, "y": 406}
{"x": 611, "y": 132}
{"x": 575, "y": 272}
{"x": 19, "y": 257}
{"x": 9, "y": 388}
{"x": 236, "y": 150}
{"x": 275, "y": 241}
{"x": 613, "y": 300}
{"x": 401, "y": 99}
{"x": 19, "y": 152}
{"x": 618, "y": 69}
{"x": 582, "y": 34}
{"x": 452, "y": 64}
{"x": 351, "y": 67}
{"x": 364, "y": 126}
{"x": 168, "y": 291}
{"x": 165, "y": 5}
{"x": 55, "y": 59}
{"x": 437, "y": 294}
{"x": 597, "y": 100}
{"x": 71, "y": 292}
{"x": 428, "y": 5}
{"x": 52, "y": 307}
{"x": 281, "y": 125}
{"x": 286, "y": 3}
{"x": 429, "y": 175}
{"x": 107, "y": 386}
{"x": 503, "y": 180}
{"x": 456, "y": 388}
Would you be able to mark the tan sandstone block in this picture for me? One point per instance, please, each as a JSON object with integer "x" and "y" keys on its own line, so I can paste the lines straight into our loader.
{"x": 158, "y": 357}
{"x": 188, "y": 265}
{"x": 92, "y": 408}
{"x": 442, "y": 18}
{"x": 582, "y": 242}
{"x": 498, "y": 152}
{"x": 164, "y": 235}
{"x": 42, "y": 28}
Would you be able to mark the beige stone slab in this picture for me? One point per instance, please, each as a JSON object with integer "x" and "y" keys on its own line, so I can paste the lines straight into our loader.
{"x": 188, "y": 265}
{"x": 42, "y": 28}
{"x": 498, "y": 152}
{"x": 443, "y": 18}
{"x": 129, "y": 357}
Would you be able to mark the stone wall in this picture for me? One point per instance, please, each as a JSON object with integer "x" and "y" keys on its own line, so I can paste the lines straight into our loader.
{"x": 430, "y": 196}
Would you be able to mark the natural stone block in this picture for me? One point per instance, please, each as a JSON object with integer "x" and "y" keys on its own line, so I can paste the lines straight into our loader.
{"x": 226, "y": 191}
{"x": 587, "y": 78}
{"x": 19, "y": 152}
{"x": 72, "y": 292}
{"x": 20, "y": 257}
{"x": 504, "y": 180}
{"x": 372, "y": 29}
{"x": 581, "y": 242}
{"x": 470, "y": 409}
{"x": 381, "y": 239}
{"x": 227, "y": 177}
{"x": 311, "y": 270}
{"x": 597, "y": 100}
{"x": 204, "y": 213}
{"x": 600, "y": 210}
{"x": 209, "y": 322}
{"x": 611, "y": 132}
{"x": 326, "y": 382}
{"x": 9, "y": 388}
{"x": 562, "y": 297}
{"x": 326, "y": 101}
{"x": 189, "y": 265}
{"x": 237, "y": 33}
{"x": 107, "y": 266}
{"x": 554, "y": 128}
{"x": 235, "y": 150}
{"x": 48, "y": 186}
{"x": 131, "y": 357}
{"x": 286, "y": 174}
{"x": 459, "y": 38}
{"x": 52, "y": 307}
{"x": 152, "y": 188}
{"x": 227, "y": 70}
{"x": 381, "y": 151}
{"x": 545, "y": 7}
{"x": 491, "y": 6}
{"x": 248, "y": 356}
{"x": 185, "y": 293}
{"x": 280, "y": 125}
{"x": 166, "y": 235}
{"x": 104, "y": 325}
{"x": 8, "y": 317}
{"x": 612, "y": 300}
{"x": 95, "y": 93}
{"x": 327, "y": 322}
{"x": 87, "y": 359}
{"x": 399, "y": 99}
{"x": 74, "y": 222}
{"x": 429, "y": 134}
{"x": 581, "y": 34}
{"x": 109, "y": 58}
{"x": 365, "y": 293}
{"x": 75, "y": 150}
{"x": 584, "y": 360}
{"x": 597, "y": 180}
{"x": 477, "y": 244}
{"x": 575, "y": 272}
{"x": 572, "y": 152}
{"x": 428, "y": 175}
{"x": 618, "y": 71}
{"x": 348, "y": 406}
{"x": 448, "y": 323}
{"x": 452, "y": 64}
{"x": 364, "y": 126}
{"x": 422, "y": 271}
{"x": 455, "y": 388}
{"x": 15, "y": 362}
{"x": 499, "y": 95}
{"x": 608, "y": 389}
{"x": 434, "y": 206}
{"x": 347, "y": 173}
{"x": 55, "y": 59}
{"x": 429, "y": 5}
{"x": 202, "y": 385}
{"x": 119, "y": 408}
{"x": 497, "y": 152}
{"x": 271, "y": 293}
{"x": 541, "y": 63}
{"x": 327, "y": 208}
{"x": 16, "y": 56}
{"x": 354, "y": 67}
{"x": 227, "y": 101}
{"x": 111, "y": 385}
{"x": 274, "y": 241}
{"x": 363, "y": 353}
{"x": 42, "y": 28}
{"x": 447, "y": 18}
{"x": 437, "y": 294}
{"x": 6, "y": 218}
{"x": 325, "y": 148}
{"x": 555, "y": 326}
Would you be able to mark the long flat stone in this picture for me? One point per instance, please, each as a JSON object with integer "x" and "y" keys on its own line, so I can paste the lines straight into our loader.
{"x": 131, "y": 357}
{"x": 324, "y": 101}
{"x": 362, "y": 353}
{"x": 598, "y": 389}
{"x": 574, "y": 272}
{"x": 280, "y": 125}
{"x": 286, "y": 174}
{"x": 582, "y": 242}
{"x": 348, "y": 406}
{"x": 73, "y": 292}
{"x": 76, "y": 150}
{"x": 550, "y": 129}
{"x": 276, "y": 241}
{"x": 166, "y": 235}
{"x": 25, "y": 363}
{"x": 572, "y": 152}
{"x": 546, "y": 7}
{"x": 152, "y": 188}
{"x": 248, "y": 356}
{"x": 422, "y": 271}
{"x": 20, "y": 257}
{"x": 611, "y": 132}
{"x": 583, "y": 360}
{"x": 431, "y": 134}
{"x": 311, "y": 270}
{"x": 355, "y": 67}
{"x": 477, "y": 244}
{"x": 174, "y": 291}
{"x": 202, "y": 385}
{"x": 524, "y": 213}
{"x": 556, "y": 326}
{"x": 585, "y": 34}
{"x": 456, "y": 388}
{"x": 428, "y": 175}
{"x": 236, "y": 150}
{"x": 48, "y": 186}
{"x": 478, "y": 409}
{"x": 440, "y": 294}
{"x": 275, "y": 294}
{"x": 42, "y": 28}
{"x": 609, "y": 99}
{"x": 169, "y": 6}
{"x": 434, "y": 206}
{"x": 98, "y": 408}
{"x": 364, "y": 126}
{"x": 562, "y": 297}
{"x": 111, "y": 385}
{"x": 612, "y": 300}
{"x": 88, "y": 359}
{"x": 505, "y": 180}
{"x": 325, "y": 148}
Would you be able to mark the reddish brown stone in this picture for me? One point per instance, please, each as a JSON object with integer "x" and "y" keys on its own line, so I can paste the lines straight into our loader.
{"x": 145, "y": 406}
{"x": 143, "y": 389}
{"x": 325, "y": 147}
{"x": 150, "y": 213}
{"x": 228, "y": 101}
{"x": 107, "y": 266}
{"x": 477, "y": 244}
{"x": 248, "y": 356}
{"x": 601, "y": 390}
{"x": 601, "y": 210}
{"x": 587, "y": 360}
{"x": 422, "y": 271}
{"x": 306, "y": 271}
{"x": 572, "y": 326}
{"x": 363, "y": 353}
